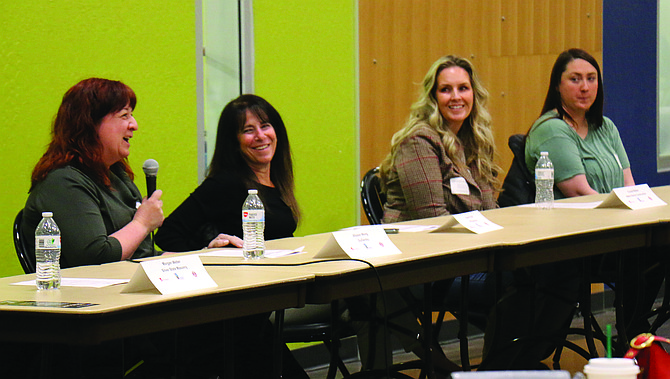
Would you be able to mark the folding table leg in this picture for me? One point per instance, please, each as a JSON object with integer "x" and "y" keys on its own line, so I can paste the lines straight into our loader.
{"x": 586, "y": 310}
{"x": 277, "y": 342}
{"x": 463, "y": 323}
{"x": 228, "y": 349}
{"x": 427, "y": 329}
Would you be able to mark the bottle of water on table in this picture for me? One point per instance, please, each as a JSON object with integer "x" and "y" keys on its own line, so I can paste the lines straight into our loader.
{"x": 47, "y": 253}
{"x": 253, "y": 225}
{"x": 544, "y": 182}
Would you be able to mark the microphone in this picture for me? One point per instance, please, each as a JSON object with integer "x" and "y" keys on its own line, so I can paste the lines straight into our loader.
{"x": 150, "y": 168}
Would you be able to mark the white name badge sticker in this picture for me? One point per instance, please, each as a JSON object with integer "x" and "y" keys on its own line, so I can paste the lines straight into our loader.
{"x": 364, "y": 243}
{"x": 474, "y": 221}
{"x": 632, "y": 197}
{"x": 170, "y": 275}
{"x": 459, "y": 186}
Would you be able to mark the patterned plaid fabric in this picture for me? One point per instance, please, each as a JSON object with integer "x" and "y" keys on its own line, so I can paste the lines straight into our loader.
{"x": 419, "y": 185}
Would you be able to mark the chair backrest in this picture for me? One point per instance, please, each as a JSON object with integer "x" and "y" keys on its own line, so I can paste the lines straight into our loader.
{"x": 372, "y": 197}
{"x": 519, "y": 184}
{"x": 26, "y": 261}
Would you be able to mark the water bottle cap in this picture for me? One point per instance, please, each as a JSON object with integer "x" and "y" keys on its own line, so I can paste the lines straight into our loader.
{"x": 544, "y": 153}
{"x": 47, "y": 214}
{"x": 253, "y": 191}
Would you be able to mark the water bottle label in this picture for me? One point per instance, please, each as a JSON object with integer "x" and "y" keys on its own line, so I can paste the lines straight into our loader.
{"x": 47, "y": 242}
{"x": 253, "y": 216}
{"x": 544, "y": 173}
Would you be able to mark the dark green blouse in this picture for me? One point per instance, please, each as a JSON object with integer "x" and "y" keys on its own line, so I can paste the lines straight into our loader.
{"x": 86, "y": 213}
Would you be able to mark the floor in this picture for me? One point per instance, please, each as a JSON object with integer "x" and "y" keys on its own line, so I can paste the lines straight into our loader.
{"x": 569, "y": 361}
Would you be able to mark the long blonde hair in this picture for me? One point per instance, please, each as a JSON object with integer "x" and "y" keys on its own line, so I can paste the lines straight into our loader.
{"x": 475, "y": 134}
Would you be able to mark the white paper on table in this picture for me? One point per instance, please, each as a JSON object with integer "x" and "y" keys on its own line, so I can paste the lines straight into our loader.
{"x": 170, "y": 275}
{"x": 632, "y": 197}
{"x": 401, "y": 228}
{"x": 369, "y": 242}
{"x": 414, "y": 228}
{"x": 282, "y": 253}
{"x": 224, "y": 252}
{"x": 237, "y": 253}
{"x": 474, "y": 221}
{"x": 80, "y": 282}
{"x": 568, "y": 205}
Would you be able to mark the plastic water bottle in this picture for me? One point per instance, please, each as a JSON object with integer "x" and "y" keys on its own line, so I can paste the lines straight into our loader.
{"x": 544, "y": 182}
{"x": 47, "y": 253}
{"x": 253, "y": 225}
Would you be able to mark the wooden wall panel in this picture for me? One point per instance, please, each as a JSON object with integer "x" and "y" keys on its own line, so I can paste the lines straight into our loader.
{"x": 556, "y": 26}
{"x": 509, "y": 21}
{"x": 512, "y": 43}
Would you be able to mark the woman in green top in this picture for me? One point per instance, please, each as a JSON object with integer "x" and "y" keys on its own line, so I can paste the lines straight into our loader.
{"x": 583, "y": 145}
{"x": 589, "y": 158}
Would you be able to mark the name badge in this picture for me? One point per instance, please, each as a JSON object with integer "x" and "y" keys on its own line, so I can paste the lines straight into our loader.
{"x": 459, "y": 186}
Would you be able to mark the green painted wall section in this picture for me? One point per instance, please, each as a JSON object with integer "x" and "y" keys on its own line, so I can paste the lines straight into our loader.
{"x": 48, "y": 46}
{"x": 305, "y": 66}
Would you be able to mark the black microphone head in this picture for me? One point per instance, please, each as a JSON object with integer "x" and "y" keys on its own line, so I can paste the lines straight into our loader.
{"x": 150, "y": 167}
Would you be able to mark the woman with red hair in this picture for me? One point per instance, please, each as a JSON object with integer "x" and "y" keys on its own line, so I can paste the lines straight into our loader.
{"x": 85, "y": 180}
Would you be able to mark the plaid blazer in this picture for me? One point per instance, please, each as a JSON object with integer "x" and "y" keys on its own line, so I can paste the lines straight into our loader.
{"x": 420, "y": 183}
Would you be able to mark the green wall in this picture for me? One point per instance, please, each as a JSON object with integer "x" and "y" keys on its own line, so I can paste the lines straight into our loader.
{"x": 305, "y": 66}
{"x": 48, "y": 46}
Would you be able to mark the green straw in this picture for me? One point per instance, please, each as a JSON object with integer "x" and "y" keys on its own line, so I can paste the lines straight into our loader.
{"x": 608, "y": 331}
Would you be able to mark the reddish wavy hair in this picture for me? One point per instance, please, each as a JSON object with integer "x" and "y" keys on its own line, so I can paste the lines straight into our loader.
{"x": 74, "y": 134}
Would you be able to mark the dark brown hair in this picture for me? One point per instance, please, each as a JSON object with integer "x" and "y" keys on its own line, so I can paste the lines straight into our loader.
{"x": 228, "y": 155}
{"x": 594, "y": 115}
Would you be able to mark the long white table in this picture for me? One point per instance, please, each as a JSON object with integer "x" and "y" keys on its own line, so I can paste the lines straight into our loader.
{"x": 241, "y": 291}
{"x": 529, "y": 236}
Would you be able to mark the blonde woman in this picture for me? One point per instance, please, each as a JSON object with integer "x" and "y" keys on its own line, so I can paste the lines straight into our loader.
{"x": 441, "y": 162}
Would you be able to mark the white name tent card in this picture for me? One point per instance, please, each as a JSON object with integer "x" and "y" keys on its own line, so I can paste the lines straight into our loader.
{"x": 359, "y": 243}
{"x": 474, "y": 221}
{"x": 170, "y": 275}
{"x": 632, "y": 197}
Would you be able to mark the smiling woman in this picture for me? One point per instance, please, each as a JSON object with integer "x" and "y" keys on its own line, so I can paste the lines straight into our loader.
{"x": 115, "y": 132}
{"x": 85, "y": 180}
{"x": 441, "y": 162}
{"x": 252, "y": 151}
{"x": 258, "y": 143}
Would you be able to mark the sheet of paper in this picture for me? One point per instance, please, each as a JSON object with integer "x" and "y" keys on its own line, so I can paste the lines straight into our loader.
{"x": 283, "y": 253}
{"x": 80, "y": 282}
{"x": 224, "y": 252}
{"x": 237, "y": 253}
{"x": 474, "y": 221}
{"x": 569, "y": 205}
{"x": 402, "y": 228}
{"x": 632, "y": 197}
{"x": 359, "y": 244}
{"x": 170, "y": 275}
